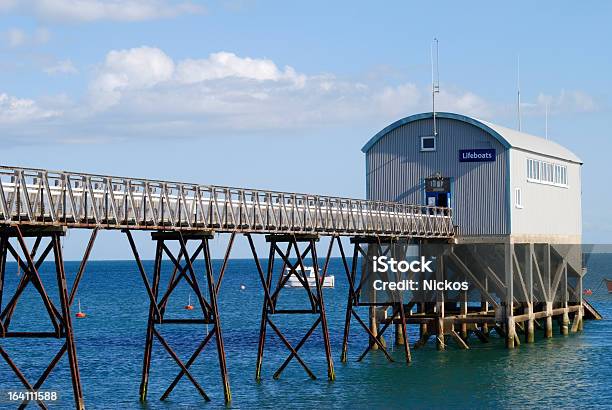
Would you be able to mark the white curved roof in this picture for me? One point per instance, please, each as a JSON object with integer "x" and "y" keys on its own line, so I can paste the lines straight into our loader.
{"x": 507, "y": 137}
{"x": 529, "y": 142}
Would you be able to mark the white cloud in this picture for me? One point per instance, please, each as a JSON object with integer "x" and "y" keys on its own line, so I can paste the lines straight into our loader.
{"x": 41, "y": 35}
{"x": 223, "y": 65}
{"x": 18, "y": 110}
{"x": 137, "y": 68}
{"x": 15, "y": 37}
{"x": 566, "y": 101}
{"x": 466, "y": 102}
{"x": 7, "y": 4}
{"x": 228, "y": 92}
{"x": 61, "y": 67}
{"x": 407, "y": 98}
{"x": 145, "y": 92}
{"x": 92, "y": 10}
{"x": 142, "y": 71}
{"x": 398, "y": 100}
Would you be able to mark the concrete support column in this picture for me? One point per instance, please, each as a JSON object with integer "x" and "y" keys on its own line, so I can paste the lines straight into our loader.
{"x": 547, "y": 271}
{"x": 548, "y": 325}
{"x": 440, "y": 343}
{"x": 529, "y": 326}
{"x": 510, "y": 332}
{"x": 374, "y": 250}
{"x": 423, "y": 326}
{"x": 464, "y": 312}
{"x": 373, "y": 314}
{"x": 399, "y": 336}
{"x": 509, "y": 302}
{"x": 581, "y": 310}
{"x": 484, "y": 306}
{"x": 565, "y": 323}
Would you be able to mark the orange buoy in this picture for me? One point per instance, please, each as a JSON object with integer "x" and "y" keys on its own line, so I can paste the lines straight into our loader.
{"x": 588, "y": 292}
{"x": 80, "y": 314}
{"x": 189, "y": 306}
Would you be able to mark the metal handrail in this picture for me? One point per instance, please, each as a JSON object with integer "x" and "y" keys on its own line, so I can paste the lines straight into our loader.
{"x": 38, "y": 196}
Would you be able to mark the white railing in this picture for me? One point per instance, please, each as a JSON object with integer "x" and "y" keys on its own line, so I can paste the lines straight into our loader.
{"x": 37, "y": 196}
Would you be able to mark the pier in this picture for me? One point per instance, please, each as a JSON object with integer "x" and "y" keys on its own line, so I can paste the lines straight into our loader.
{"x": 43, "y": 204}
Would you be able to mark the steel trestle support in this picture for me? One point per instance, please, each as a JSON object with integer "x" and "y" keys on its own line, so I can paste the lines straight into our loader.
{"x": 357, "y": 279}
{"x": 60, "y": 318}
{"x": 291, "y": 245}
{"x": 183, "y": 270}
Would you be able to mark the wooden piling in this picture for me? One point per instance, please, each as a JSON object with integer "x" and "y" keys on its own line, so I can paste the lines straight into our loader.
{"x": 423, "y": 326}
{"x": 440, "y": 342}
{"x": 530, "y": 325}
{"x": 509, "y": 302}
{"x": 484, "y": 307}
{"x": 548, "y": 324}
{"x": 510, "y": 332}
{"x": 373, "y": 323}
{"x": 565, "y": 322}
{"x": 399, "y": 335}
{"x": 464, "y": 311}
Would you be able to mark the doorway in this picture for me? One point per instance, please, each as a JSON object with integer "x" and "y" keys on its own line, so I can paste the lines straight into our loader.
{"x": 438, "y": 192}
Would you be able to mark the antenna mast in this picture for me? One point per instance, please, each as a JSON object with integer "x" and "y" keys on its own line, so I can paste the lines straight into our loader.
{"x": 546, "y": 121}
{"x": 435, "y": 81}
{"x": 518, "y": 87}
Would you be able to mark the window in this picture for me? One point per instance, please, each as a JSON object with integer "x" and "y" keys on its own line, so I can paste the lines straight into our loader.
{"x": 564, "y": 175}
{"x": 560, "y": 175}
{"x": 543, "y": 172}
{"x": 428, "y": 143}
{"x": 518, "y": 198}
{"x": 530, "y": 168}
{"x": 533, "y": 169}
{"x": 551, "y": 173}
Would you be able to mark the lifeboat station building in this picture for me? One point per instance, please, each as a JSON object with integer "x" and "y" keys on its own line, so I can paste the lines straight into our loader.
{"x": 498, "y": 181}
{"x": 515, "y": 200}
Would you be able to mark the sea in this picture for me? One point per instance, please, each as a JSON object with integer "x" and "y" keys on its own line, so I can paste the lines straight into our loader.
{"x": 571, "y": 371}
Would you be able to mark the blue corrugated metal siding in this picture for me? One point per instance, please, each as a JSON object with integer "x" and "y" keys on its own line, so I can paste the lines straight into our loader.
{"x": 396, "y": 169}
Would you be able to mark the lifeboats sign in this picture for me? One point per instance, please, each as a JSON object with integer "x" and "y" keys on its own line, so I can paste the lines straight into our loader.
{"x": 476, "y": 155}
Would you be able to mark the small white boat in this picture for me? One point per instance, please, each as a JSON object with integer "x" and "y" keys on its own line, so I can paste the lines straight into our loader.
{"x": 294, "y": 282}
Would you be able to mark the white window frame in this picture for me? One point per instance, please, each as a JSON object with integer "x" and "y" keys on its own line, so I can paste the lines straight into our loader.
{"x": 435, "y": 143}
{"x": 546, "y": 173}
{"x": 518, "y": 198}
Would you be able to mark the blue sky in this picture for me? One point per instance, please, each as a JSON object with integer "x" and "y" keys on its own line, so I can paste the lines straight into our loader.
{"x": 245, "y": 92}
